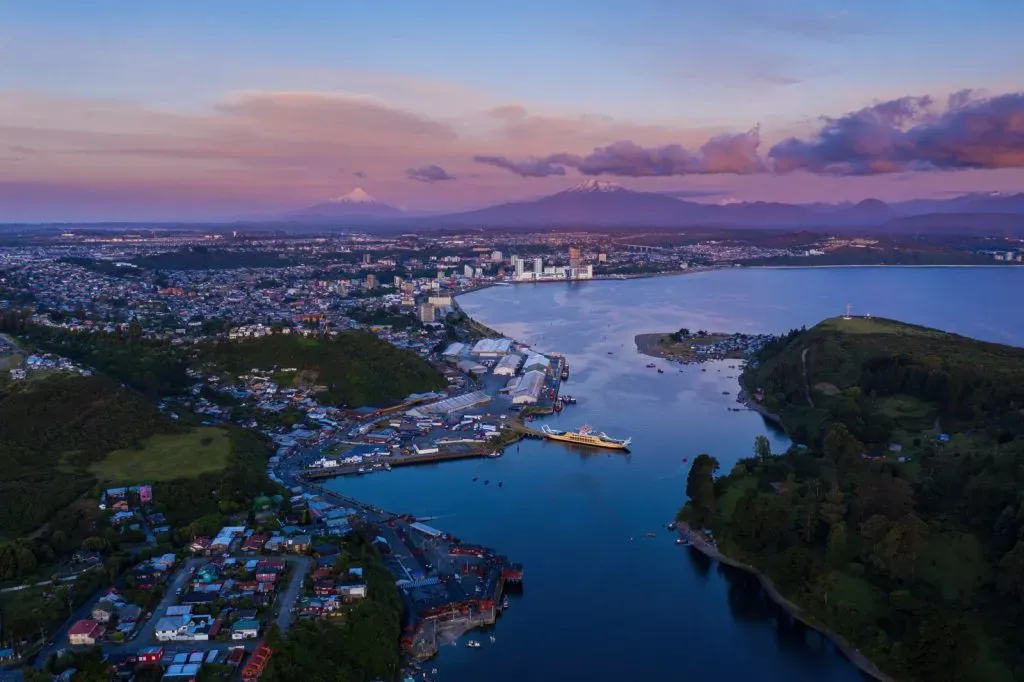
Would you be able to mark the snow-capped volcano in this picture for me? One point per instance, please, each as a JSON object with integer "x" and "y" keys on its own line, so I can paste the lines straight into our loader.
{"x": 356, "y": 205}
{"x": 596, "y": 186}
{"x": 356, "y": 196}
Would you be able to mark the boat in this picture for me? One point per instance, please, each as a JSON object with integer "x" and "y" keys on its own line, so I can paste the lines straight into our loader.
{"x": 610, "y": 353}
{"x": 649, "y": 535}
{"x": 487, "y": 482}
{"x": 504, "y": 604}
{"x": 586, "y": 436}
{"x": 473, "y": 644}
{"x": 474, "y": 479}
{"x": 651, "y": 365}
{"x": 681, "y": 541}
{"x": 493, "y": 639}
{"x": 557, "y": 407}
{"x": 661, "y": 371}
{"x": 496, "y": 453}
{"x": 500, "y": 483}
{"x": 569, "y": 399}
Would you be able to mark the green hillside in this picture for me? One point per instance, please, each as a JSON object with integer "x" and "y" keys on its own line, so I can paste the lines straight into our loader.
{"x": 883, "y": 379}
{"x": 52, "y": 430}
{"x": 354, "y": 368}
{"x": 898, "y": 520}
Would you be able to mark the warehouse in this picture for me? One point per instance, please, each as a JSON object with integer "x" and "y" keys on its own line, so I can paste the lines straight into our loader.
{"x": 471, "y": 367}
{"x": 454, "y": 350}
{"x": 491, "y": 348}
{"x": 508, "y": 365}
{"x": 536, "y": 362}
{"x": 529, "y": 388}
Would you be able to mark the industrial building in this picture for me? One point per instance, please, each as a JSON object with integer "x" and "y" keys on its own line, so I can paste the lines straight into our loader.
{"x": 454, "y": 350}
{"x": 528, "y": 388}
{"x": 450, "y": 405}
{"x": 471, "y": 367}
{"x": 508, "y": 365}
{"x": 535, "y": 362}
{"x": 491, "y": 348}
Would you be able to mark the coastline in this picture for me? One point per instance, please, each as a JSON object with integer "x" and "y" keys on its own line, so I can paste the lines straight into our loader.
{"x": 863, "y": 663}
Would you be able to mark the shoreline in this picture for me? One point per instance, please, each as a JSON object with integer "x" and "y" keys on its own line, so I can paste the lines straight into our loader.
{"x": 862, "y": 662}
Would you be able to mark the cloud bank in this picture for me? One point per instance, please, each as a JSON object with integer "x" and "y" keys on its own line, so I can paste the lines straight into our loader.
{"x": 428, "y": 173}
{"x": 909, "y": 134}
{"x": 905, "y": 134}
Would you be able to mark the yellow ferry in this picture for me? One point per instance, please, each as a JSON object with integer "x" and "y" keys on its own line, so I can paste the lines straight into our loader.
{"x": 585, "y": 436}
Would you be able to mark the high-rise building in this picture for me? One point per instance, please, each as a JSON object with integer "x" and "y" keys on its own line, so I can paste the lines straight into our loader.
{"x": 371, "y": 281}
{"x": 440, "y": 273}
{"x": 367, "y": 259}
{"x": 478, "y": 272}
{"x": 574, "y": 257}
{"x": 538, "y": 266}
{"x": 398, "y": 282}
{"x": 520, "y": 267}
{"x": 496, "y": 257}
{"x": 427, "y": 313}
{"x": 467, "y": 270}
{"x": 602, "y": 257}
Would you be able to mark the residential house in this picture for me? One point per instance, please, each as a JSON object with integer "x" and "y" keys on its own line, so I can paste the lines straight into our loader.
{"x": 86, "y": 632}
{"x": 103, "y": 611}
{"x": 245, "y": 628}
{"x": 151, "y": 655}
{"x": 300, "y": 543}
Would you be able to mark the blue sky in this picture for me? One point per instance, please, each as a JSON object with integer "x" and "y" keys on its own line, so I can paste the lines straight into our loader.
{"x": 690, "y": 69}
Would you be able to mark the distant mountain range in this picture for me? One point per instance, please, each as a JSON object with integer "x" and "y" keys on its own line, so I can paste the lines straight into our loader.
{"x": 605, "y": 204}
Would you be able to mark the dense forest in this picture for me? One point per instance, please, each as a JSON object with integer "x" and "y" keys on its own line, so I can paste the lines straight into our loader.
{"x": 355, "y": 368}
{"x": 898, "y": 519}
{"x": 361, "y": 647}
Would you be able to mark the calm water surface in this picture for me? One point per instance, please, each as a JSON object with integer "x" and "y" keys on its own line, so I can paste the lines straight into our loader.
{"x": 601, "y": 601}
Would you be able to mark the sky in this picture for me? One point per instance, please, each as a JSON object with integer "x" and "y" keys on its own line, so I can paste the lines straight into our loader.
{"x": 190, "y": 109}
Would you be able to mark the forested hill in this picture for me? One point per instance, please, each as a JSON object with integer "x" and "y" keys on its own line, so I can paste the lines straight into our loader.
{"x": 355, "y": 368}
{"x": 883, "y": 378}
{"x": 898, "y": 521}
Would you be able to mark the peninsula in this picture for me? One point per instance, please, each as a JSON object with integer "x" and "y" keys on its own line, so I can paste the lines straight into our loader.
{"x": 894, "y": 522}
{"x": 701, "y": 346}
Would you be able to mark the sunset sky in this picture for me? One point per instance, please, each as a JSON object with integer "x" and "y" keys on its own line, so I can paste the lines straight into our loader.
{"x": 194, "y": 109}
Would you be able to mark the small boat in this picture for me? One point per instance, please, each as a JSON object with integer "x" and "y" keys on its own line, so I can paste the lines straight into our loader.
{"x": 473, "y": 644}
{"x": 487, "y": 482}
{"x": 493, "y": 639}
{"x": 681, "y": 541}
{"x": 725, "y": 392}
{"x": 649, "y": 535}
{"x": 557, "y": 407}
{"x": 474, "y": 478}
{"x": 610, "y": 353}
{"x": 504, "y": 604}
{"x": 500, "y": 484}
{"x": 651, "y": 365}
{"x": 661, "y": 371}
{"x": 495, "y": 454}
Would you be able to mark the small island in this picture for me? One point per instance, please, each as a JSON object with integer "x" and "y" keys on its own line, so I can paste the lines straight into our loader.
{"x": 689, "y": 347}
{"x": 894, "y": 524}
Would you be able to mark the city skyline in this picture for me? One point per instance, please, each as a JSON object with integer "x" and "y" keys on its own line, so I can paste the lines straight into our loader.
{"x": 129, "y": 112}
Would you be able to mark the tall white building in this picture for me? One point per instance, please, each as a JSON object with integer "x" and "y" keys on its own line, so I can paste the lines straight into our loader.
{"x": 538, "y": 266}
{"x": 520, "y": 265}
{"x": 467, "y": 270}
{"x": 496, "y": 257}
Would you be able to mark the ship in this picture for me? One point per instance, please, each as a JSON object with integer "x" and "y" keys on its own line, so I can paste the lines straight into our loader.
{"x": 586, "y": 436}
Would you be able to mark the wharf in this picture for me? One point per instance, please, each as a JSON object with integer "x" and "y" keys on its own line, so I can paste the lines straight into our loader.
{"x": 314, "y": 474}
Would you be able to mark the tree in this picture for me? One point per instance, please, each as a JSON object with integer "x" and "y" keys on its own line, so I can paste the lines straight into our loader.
{"x": 1011, "y": 572}
{"x": 700, "y": 488}
{"x": 832, "y": 509}
{"x": 762, "y": 447}
{"x": 840, "y": 446}
{"x": 837, "y": 542}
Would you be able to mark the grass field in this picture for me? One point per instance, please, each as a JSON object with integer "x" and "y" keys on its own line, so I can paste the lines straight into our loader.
{"x": 955, "y": 564}
{"x": 727, "y": 503}
{"x": 166, "y": 457}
